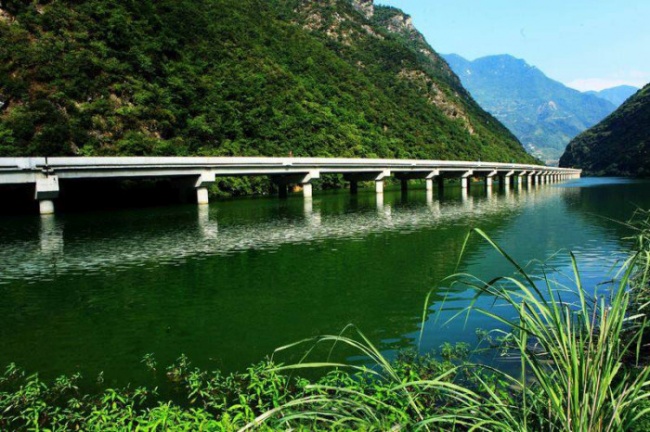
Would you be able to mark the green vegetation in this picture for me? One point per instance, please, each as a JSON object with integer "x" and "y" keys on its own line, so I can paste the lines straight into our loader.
{"x": 229, "y": 78}
{"x": 618, "y": 146}
{"x": 580, "y": 369}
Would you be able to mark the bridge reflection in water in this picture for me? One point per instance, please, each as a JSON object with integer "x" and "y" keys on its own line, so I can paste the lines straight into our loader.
{"x": 23, "y": 260}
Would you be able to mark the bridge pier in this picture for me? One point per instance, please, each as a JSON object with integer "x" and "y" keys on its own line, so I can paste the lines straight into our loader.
{"x": 303, "y": 179}
{"x": 405, "y": 176}
{"x": 307, "y": 190}
{"x": 47, "y": 189}
{"x": 202, "y": 197}
{"x": 376, "y": 176}
{"x": 520, "y": 180}
{"x": 202, "y": 182}
{"x": 379, "y": 187}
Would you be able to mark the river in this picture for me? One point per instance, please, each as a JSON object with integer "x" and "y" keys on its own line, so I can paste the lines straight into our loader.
{"x": 227, "y": 284}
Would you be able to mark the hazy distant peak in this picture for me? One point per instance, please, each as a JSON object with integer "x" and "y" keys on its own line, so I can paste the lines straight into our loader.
{"x": 543, "y": 113}
{"x": 616, "y": 95}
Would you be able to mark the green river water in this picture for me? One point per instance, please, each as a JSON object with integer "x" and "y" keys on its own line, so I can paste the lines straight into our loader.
{"x": 228, "y": 283}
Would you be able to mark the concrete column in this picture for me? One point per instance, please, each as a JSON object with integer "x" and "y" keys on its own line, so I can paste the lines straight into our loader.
{"x": 205, "y": 179}
{"x": 464, "y": 182}
{"x": 488, "y": 183}
{"x": 529, "y": 180}
{"x": 379, "y": 186}
{"x": 46, "y": 207}
{"x": 429, "y": 183}
{"x": 520, "y": 181}
{"x": 202, "y": 196}
{"x": 303, "y": 179}
{"x": 379, "y": 198}
{"x": 47, "y": 189}
{"x": 307, "y": 190}
{"x": 377, "y": 176}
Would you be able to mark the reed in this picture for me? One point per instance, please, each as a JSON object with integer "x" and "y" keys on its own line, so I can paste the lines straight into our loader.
{"x": 580, "y": 355}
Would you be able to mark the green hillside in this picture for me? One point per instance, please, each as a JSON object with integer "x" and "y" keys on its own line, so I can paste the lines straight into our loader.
{"x": 228, "y": 77}
{"x": 619, "y": 145}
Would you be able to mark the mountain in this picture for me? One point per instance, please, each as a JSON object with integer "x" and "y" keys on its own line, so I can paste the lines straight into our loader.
{"x": 619, "y": 145}
{"x": 232, "y": 77}
{"x": 544, "y": 114}
{"x": 616, "y": 95}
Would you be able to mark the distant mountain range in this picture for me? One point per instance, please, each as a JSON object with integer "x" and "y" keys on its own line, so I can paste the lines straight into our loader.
{"x": 616, "y": 95}
{"x": 544, "y": 114}
{"x": 619, "y": 145}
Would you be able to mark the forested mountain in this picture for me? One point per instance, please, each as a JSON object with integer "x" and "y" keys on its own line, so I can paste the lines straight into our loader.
{"x": 544, "y": 114}
{"x": 616, "y": 95}
{"x": 232, "y": 77}
{"x": 619, "y": 145}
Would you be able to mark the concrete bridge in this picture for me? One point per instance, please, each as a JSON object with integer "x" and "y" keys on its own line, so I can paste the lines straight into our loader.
{"x": 199, "y": 172}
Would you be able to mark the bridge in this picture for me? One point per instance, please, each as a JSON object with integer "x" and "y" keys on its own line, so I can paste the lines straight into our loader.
{"x": 198, "y": 173}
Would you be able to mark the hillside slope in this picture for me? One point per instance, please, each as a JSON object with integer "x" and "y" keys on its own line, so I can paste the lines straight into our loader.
{"x": 544, "y": 114}
{"x": 619, "y": 145}
{"x": 229, "y": 77}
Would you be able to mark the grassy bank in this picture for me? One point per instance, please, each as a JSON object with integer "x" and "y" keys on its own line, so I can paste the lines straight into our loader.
{"x": 582, "y": 368}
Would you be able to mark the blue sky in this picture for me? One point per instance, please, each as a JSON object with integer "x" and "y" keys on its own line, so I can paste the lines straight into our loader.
{"x": 586, "y": 44}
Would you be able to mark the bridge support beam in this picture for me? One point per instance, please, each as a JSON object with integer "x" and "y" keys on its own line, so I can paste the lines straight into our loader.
{"x": 489, "y": 178}
{"x": 520, "y": 180}
{"x": 205, "y": 179}
{"x": 505, "y": 179}
{"x": 303, "y": 179}
{"x": 376, "y": 176}
{"x": 47, "y": 189}
{"x": 405, "y": 176}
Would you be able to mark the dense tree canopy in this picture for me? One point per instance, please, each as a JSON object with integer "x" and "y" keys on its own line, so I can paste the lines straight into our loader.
{"x": 229, "y": 77}
{"x": 619, "y": 145}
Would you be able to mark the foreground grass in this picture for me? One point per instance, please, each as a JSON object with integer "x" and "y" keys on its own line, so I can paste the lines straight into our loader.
{"x": 581, "y": 370}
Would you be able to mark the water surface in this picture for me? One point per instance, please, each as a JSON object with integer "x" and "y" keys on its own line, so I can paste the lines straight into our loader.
{"x": 228, "y": 283}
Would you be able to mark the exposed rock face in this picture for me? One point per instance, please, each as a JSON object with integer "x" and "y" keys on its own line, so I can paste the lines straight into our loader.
{"x": 401, "y": 23}
{"x": 366, "y": 7}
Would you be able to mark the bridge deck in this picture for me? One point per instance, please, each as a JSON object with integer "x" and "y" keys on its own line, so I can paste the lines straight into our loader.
{"x": 45, "y": 173}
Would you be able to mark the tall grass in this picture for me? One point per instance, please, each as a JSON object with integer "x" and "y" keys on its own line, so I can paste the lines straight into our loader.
{"x": 580, "y": 366}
